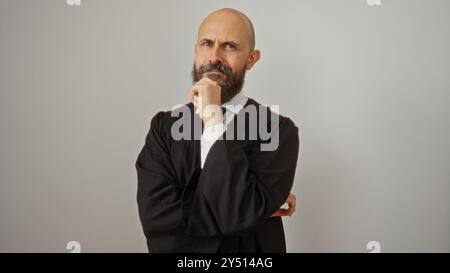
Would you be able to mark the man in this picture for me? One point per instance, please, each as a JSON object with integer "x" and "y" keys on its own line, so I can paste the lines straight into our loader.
{"x": 218, "y": 193}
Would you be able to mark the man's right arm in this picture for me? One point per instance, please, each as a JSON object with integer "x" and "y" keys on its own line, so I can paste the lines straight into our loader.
{"x": 158, "y": 193}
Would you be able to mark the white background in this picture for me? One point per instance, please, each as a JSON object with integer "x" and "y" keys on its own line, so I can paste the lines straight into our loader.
{"x": 368, "y": 87}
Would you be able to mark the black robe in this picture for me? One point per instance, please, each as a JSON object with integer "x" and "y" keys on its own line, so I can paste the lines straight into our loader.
{"x": 226, "y": 206}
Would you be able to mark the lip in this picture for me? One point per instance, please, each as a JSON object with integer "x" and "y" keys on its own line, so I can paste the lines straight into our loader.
{"x": 214, "y": 72}
{"x": 214, "y": 76}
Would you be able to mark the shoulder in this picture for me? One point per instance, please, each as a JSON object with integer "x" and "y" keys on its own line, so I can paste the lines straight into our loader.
{"x": 175, "y": 124}
{"x": 165, "y": 119}
{"x": 284, "y": 122}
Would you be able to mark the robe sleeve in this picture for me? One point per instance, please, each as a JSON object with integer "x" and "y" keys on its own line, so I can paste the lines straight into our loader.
{"x": 234, "y": 193}
{"x": 158, "y": 193}
{"x": 238, "y": 191}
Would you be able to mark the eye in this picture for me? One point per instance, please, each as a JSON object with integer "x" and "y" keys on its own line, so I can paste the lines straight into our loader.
{"x": 206, "y": 43}
{"x": 230, "y": 46}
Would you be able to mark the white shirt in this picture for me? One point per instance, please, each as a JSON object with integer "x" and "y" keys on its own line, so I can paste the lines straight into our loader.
{"x": 212, "y": 133}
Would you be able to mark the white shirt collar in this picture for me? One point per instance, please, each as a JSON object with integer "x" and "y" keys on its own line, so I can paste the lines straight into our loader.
{"x": 236, "y": 103}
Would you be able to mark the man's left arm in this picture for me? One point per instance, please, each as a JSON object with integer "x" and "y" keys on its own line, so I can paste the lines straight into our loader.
{"x": 237, "y": 192}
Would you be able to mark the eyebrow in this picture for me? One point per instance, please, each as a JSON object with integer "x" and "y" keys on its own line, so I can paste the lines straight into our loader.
{"x": 233, "y": 43}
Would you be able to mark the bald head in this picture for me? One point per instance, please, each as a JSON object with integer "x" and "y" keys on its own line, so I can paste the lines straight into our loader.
{"x": 230, "y": 20}
{"x": 225, "y": 50}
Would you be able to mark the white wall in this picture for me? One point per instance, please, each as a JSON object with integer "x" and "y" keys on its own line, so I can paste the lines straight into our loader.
{"x": 367, "y": 85}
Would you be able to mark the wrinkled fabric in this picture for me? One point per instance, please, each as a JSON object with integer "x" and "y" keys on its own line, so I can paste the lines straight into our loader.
{"x": 226, "y": 206}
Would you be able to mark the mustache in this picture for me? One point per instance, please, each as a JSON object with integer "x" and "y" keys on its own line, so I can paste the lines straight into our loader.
{"x": 219, "y": 66}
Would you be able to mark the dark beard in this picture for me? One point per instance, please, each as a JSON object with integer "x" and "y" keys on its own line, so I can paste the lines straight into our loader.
{"x": 230, "y": 86}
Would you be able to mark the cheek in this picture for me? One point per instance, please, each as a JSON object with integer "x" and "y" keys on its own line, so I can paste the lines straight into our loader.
{"x": 200, "y": 59}
{"x": 238, "y": 64}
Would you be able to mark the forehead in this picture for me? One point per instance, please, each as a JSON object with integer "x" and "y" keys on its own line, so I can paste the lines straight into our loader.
{"x": 225, "y": 27}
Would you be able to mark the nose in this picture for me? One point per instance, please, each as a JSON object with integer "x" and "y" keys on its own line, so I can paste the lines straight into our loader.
{"x": 216, "y": 55}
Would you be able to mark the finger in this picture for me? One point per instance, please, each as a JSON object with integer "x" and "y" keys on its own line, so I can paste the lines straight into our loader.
{"x": 291, "y": 211}
{"x": 281, "y": 212}
{"x": 284, "y": 212}
{"x": 196, "y": 87}
{"x": 292, "y": 200}
{"x": 291, "y": 208}
{"x": 196, "y": 91}
{"x": 206, "y": 81}
{"x": 277, "y": 214}
{"x": 200, "y": 85}
{"x": 194, "y": 96}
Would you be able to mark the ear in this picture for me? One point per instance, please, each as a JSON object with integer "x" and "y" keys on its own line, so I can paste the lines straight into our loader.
{"x": 253, "y": 58}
